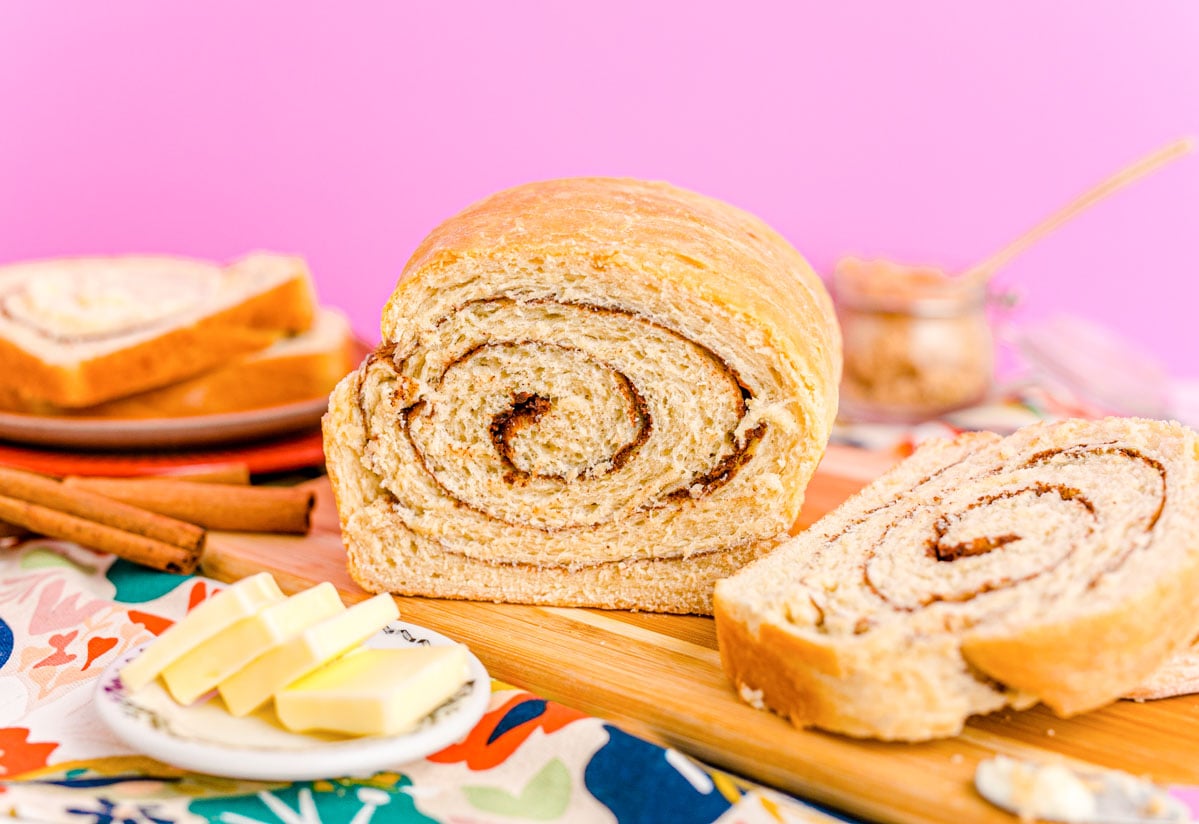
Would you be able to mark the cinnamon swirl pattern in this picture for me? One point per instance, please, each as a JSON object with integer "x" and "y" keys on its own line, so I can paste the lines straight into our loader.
{"x": 589, "y": 392}
{"x": 1059, "y": 564}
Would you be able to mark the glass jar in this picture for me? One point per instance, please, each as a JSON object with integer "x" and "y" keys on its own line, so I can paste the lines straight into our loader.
{"x": 917, "y": 343}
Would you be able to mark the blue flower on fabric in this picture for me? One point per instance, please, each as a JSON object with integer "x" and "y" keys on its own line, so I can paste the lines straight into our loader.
{"x": 106, "y": 812}
{"x": 641, "y": 783}
{"x": 6, "y": 642}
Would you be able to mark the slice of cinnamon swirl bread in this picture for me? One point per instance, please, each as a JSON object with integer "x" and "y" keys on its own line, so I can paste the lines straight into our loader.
{"x": 590, "y": 392}
{"x": 1059, "y": 564}
{"x": 300, "y": 367}
{"x": 79, "y": 331}
{"x": 1178, "y": 676}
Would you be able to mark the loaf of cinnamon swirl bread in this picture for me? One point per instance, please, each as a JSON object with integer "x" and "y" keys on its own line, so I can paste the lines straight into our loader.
{"x": 589, "y": 392}
{"x": 79, "y": 331}
{"x": 1059, "y": 564}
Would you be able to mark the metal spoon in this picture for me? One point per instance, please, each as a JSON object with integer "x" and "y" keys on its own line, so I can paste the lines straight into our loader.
{"x": 1057, "y": 792}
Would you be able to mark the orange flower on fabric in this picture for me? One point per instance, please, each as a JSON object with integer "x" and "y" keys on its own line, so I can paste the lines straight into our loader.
{"x": 18, "y": 755}
{"x": 501, "y": 732}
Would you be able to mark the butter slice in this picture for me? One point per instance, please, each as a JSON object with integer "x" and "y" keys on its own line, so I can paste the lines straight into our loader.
{"x": 253, "y": 685}
{"x": 209, "y": 618}
{"x": 201, "y": 669}
{"x": 374, "y": 691}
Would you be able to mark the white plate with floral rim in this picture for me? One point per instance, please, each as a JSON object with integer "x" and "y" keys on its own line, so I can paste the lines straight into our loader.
{"x": 204, "y": 737}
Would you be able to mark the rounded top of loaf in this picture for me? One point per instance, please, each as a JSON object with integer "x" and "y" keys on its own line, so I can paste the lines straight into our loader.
{"x": 707, "y": 247}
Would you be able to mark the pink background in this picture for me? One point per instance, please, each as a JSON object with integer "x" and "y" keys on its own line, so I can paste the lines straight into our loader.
{"x": 929, "y": 131}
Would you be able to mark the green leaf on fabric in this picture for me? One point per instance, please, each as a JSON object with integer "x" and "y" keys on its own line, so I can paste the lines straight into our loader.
{"x": 45, "y": 558}
{"x": 137, "y": 584}
{"x": 544, "y": 798}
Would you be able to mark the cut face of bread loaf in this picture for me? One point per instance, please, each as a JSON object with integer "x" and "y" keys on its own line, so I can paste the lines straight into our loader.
{"x": 1059, "y": 564}
{"x": 300, "y": 367}
{"x": 79, "y": 331}
{"x": 590, "y": 392}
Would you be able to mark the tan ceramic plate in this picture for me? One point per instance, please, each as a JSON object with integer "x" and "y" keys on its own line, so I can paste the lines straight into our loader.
{"x": 129, "y": 433}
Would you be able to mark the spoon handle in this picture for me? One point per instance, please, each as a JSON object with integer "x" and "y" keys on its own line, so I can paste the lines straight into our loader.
{"x": 984, "y": 270}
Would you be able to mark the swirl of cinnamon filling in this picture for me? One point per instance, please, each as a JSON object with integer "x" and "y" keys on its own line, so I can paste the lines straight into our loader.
{"x": 1051, "y": 519}
{"x": 1026, "y": 525}
{"x": 556, "y": 417}
{"x": 590, "y": 392}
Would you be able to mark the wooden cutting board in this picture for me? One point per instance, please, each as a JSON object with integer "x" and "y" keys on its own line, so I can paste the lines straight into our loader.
{"x": 660, "y": 676}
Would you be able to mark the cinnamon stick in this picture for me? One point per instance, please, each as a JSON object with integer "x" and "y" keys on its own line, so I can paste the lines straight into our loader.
{"x": 232, "y": 473}
{"x": 129, "y": 545}
{"x": 12, "y": 531}
{"x": 215, "y": 506}
{"x": 53, "y": 495}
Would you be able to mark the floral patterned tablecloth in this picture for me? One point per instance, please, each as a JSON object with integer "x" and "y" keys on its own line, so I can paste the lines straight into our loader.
{"x": 67, "y": 612}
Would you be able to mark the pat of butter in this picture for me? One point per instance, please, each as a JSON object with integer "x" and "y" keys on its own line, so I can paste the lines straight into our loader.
{"x": 253, "y": 685}
{"x": 209, "y": 618}
{"x": 201, "y": 669}
{"x": 374, "y": 691}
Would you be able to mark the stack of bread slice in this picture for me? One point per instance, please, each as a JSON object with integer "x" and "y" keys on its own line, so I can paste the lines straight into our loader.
{"x": 157, "y": 336}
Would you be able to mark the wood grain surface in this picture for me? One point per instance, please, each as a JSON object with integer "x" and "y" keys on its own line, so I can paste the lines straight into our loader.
{"x": 660, "y": 676}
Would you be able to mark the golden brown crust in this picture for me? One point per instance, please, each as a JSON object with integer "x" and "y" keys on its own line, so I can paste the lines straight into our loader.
{"x": 778, "y": 668}
{"x": 725, "y": 255}
{"x": 1091, "y": 661}
{"x": 262, "y": 379}
{"x": 926, "y": 692}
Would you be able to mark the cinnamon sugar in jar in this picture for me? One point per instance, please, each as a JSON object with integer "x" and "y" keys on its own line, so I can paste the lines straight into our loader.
{"x": 917, "y": 343}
